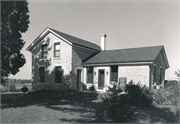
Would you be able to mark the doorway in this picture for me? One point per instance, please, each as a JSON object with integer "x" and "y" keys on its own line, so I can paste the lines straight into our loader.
{"x": 79, "y": 79}
{"x": 101, "y": 79}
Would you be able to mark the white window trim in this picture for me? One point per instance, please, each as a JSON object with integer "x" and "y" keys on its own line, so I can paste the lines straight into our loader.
{"x": 56, "y": 41}
{"x": 39, "y": 54}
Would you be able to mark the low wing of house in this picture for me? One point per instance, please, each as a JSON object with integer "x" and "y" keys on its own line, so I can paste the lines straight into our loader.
{"x": 145, "y": 65}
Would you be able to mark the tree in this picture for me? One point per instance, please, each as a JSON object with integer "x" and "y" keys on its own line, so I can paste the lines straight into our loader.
{"x": 177, "y": 73}
{"x": 14, "y": 21}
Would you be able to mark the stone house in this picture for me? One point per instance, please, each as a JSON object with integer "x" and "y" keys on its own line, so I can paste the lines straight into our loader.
{"x": 60, "y": 60}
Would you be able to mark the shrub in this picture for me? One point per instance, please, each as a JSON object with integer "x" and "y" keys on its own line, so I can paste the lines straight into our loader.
{"x": 168, "y": 95}
{"x": 11, "y": 87}
{"x": 138, "y": 95}
{"x": 24, "y": 89}
{"x": 116, "y": 108}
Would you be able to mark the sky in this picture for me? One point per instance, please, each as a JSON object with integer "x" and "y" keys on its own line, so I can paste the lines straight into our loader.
{"x": 127, "y": 24}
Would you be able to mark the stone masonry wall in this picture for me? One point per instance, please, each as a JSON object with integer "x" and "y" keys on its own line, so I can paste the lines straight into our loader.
{"x": 139, "y": 74}
{"x": 65, "y": 61}
{"x": 78, "y": 55}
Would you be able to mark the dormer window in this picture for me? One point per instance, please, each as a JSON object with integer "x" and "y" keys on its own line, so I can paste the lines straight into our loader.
{"x": 44, "y": 51}
{"x": 57, "y": 49}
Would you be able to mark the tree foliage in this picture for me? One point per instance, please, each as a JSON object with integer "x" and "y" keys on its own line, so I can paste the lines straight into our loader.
{"x": 14, "y": 22}
{"x": 177, "y": 73}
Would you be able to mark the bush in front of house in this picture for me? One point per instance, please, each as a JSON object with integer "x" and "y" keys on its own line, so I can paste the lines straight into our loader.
{"x": 24, "y": 89}
{"x": 138, "y": 95}
{"x": 168, "y": 95}
{"x": 116, "y": 108}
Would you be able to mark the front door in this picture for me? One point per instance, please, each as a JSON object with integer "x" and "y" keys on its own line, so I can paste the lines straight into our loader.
{"x": 101, "y": 79}
{"x": 78, "y": 79}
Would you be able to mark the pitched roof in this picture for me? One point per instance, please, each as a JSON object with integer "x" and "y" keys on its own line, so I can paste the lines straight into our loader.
{"x": 72, "y": 39}
{"x": 142, "y": 54}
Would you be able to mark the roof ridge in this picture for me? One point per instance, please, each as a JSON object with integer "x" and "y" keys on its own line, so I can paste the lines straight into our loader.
{"x": 71, "y": 35}
{"x": 134, "y": 48}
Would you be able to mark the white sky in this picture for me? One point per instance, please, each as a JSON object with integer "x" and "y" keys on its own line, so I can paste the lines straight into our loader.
{"x": 127, "y": 23}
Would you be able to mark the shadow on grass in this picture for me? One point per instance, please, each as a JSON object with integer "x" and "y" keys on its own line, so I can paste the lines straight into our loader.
{"x": 152, "y": 115}
{"x": 81, "y": 104}
{"x": 43, "y": 99}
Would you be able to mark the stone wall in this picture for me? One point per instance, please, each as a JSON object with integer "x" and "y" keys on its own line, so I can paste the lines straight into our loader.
{"x": 65, "y": 61}
{"x": 139, "y": 74}
{"x": 78, "y": 56}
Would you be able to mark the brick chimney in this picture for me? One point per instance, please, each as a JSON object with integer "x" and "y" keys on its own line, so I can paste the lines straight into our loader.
{"x": 103, "y": 41}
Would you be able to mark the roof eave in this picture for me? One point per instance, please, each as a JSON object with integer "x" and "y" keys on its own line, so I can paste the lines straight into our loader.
{"x": 119, "y": 63}
{"x": 45, "y": 32}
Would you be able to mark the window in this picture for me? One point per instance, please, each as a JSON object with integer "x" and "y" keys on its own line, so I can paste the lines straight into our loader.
{"x": 89, "y": 75}
{"x": 114, "y": 73}
{"x": 44, "y": 51}
{"x": 58, "y": 74}
{"x": 160, "y": 76}
{"x": 42, "y": 74}
{"x": 154, "y": 74}
{"x": 57, "y": 49}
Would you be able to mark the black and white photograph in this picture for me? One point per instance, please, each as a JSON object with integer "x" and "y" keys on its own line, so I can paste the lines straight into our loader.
{"x": 90, "y": 61}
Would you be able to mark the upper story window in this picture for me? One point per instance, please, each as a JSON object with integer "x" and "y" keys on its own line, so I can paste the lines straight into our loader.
{"x": 44, "y": 51}
{"x": 114, "y": 73}
{"x": 57, "y": 49}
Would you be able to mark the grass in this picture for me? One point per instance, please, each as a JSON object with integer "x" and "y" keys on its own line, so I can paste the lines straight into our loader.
{"x": 55, "y": 108}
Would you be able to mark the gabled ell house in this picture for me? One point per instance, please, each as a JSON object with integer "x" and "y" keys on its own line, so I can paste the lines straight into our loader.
{"x": 60, "y": 60}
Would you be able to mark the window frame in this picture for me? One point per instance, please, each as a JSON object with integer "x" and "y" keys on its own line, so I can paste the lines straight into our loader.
{"x": 54, "y": 50}
{"x": 113, "y": 70}
{"x": 90, "y": 72}
{"x": 43, "y": 52}
{"x": 154, "y": 74}
{"x": 160, "y": 75}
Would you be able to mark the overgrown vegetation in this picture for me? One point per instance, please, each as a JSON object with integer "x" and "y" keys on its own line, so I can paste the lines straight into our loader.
{"x": 138, "y": 95}
{"x": 62, "y": 93}
{"x": 116, "y": 108}
{"x": 169, "y": 95}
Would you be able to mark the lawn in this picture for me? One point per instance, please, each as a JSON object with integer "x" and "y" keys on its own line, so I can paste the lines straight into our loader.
{"x": 55, "y": 108}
